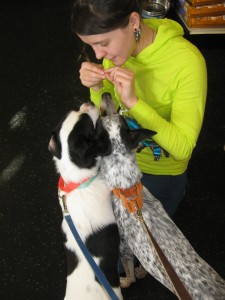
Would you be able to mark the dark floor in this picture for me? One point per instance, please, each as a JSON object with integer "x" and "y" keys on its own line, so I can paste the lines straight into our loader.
{"x": 39, "y": 82}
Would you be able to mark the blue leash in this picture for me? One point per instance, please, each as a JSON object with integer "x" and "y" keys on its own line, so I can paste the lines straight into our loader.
{"x": 101, "y": 277}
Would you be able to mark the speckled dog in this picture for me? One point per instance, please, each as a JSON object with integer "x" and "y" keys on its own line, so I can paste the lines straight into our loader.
{"x": 120, "y": 170}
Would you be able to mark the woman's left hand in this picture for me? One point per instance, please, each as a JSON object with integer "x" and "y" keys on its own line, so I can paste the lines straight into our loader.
{"x": 123, "y": 80}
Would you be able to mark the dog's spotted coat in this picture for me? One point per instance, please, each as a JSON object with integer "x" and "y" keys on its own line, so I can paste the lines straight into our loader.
{"x": 120, "y": 170}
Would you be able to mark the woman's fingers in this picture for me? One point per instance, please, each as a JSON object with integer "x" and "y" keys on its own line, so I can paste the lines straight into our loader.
{"x": 123, "y": 80}
{"x": 91, "y": 75}
{"x": 117, "y": 74}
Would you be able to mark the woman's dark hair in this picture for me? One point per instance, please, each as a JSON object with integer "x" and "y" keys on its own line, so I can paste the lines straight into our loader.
{"x": 101, "y": 16}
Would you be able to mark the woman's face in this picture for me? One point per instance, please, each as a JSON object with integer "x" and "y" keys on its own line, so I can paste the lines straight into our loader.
{"x": 117, "y": 45}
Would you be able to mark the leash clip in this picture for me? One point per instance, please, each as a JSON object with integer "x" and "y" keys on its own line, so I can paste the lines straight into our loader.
{"x": 64, "y": 204}
{"x": 139, "y": 215}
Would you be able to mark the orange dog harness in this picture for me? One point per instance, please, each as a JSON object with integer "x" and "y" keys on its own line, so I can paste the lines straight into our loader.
{"x": 132, "y": 198}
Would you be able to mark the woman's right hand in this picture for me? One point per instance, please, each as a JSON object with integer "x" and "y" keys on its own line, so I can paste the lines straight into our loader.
{"x": 91, "y": 75}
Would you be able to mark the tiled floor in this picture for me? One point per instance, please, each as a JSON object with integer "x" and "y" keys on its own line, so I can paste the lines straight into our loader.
{"x": 39, "y": 83}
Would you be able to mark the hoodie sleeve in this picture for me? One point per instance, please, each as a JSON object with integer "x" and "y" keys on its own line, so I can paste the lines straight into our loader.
{"x": 178, "y": 136}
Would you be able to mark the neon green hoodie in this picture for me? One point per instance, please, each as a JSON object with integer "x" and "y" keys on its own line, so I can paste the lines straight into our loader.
{"x": 171, "y": 85}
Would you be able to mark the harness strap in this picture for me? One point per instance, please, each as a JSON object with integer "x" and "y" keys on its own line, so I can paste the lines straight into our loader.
{"x": 132, "y": 198}
{"x": 149, "y": 143}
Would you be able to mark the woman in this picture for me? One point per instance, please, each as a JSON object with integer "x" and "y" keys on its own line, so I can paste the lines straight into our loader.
{"x": 157, "y": 77}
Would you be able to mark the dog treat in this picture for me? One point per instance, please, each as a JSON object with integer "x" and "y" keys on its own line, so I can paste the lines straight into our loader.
{"x": 203, "y": 2}
{"x": 205, "y": 10}
{"x": 207, "y": 16}
{"x": 212, "y": 21}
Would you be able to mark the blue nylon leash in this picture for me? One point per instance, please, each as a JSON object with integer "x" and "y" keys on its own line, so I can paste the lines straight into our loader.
{"x": 101, "y": 277}
{"x": 99, "y": 274}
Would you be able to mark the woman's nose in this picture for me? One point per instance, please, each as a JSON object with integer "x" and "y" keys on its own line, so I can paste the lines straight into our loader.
{"x": 99, "y": 53}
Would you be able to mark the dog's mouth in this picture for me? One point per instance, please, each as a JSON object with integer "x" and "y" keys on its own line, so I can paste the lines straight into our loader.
{"x": 107, "y": 106}
{"x": 85, "y": 107}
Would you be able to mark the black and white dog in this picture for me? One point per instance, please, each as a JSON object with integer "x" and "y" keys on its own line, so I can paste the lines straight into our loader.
{"x": 120, "y": 170}
{"x": 75, "y": 145}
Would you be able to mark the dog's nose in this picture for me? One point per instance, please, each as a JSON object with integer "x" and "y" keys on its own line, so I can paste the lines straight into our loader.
{"x": 107, "y": 105}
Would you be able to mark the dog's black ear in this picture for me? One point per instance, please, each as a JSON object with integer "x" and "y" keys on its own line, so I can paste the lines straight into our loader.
{"x": 132, "y": 138}
{"x": 54, "y": 146}
{"x": 99, "y": 146}
{"x": 102, "y": 145}
{"x": 86, "y": 143}
{"x": 80, "y": 139}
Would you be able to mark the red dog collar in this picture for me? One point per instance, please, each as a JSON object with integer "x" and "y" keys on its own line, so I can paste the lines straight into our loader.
{"x": 67, "y": 188}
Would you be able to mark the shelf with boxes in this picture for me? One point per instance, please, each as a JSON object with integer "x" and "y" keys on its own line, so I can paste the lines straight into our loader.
{"x": 201, "y": 16}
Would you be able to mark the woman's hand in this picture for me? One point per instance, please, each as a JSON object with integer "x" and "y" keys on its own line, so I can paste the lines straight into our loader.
{"x": 123, "y": 80}
{"x": 91, "y": 75}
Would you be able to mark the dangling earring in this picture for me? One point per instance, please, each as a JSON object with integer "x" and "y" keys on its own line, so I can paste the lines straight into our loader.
{"x": 137, "y": 32}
